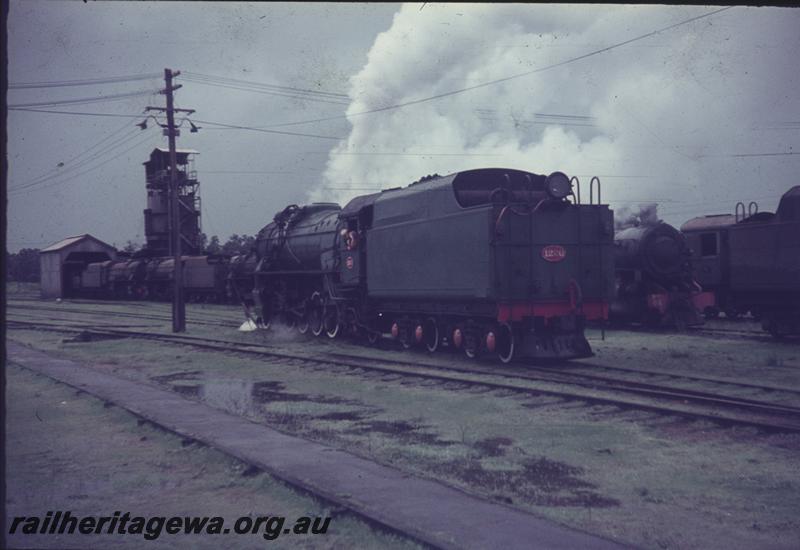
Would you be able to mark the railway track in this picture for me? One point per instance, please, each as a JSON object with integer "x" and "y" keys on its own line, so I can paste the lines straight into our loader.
{"x": 201, "y": 319}
{"x": 622, "y": 394}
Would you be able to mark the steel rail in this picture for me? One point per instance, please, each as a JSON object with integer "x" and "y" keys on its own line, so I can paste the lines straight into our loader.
{"x": 248, "y": 349}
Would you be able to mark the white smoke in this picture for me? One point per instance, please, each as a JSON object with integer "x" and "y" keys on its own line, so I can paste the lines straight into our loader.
{"x": 645, "y": 214}
{"x": 661, "y": 111}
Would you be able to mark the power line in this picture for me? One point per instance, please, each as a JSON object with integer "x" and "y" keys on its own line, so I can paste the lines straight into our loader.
{"x": 84, "y": 100}
{"x": 59, "y": 182}
{"x": 188, "y": 75}
{"x": 269, "y": 92}
{"x": 116, "y": 143}
{"x": 238, "y": 127}
{"x": 762, "y": 154}
{"x": 67, "y": 163}
{"x": 499, "y": 80}
{"x": 87, "y": 82}
{"x": 270, "y": 89}
{"x": 73, "y": 113}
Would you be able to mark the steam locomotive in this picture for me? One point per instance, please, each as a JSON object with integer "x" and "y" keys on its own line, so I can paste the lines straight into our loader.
{"x": 489, "y": 261}
{"x": 655, "y": 283}
{"x": 751, "y": 261}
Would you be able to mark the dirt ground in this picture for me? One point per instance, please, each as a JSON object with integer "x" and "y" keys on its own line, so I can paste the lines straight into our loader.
{"x": 66, "y": 451}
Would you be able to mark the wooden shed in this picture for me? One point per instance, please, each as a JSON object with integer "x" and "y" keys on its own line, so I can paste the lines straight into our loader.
{"x": 62, "y": 261}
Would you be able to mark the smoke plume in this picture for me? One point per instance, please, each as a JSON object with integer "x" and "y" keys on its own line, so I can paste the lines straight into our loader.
{"x": 646, "y": 214}
{"x": 655, "y": 119}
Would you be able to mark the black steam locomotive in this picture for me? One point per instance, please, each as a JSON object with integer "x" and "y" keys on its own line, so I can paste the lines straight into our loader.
{"x": 490, "y": 260}
{"x": 751, "y": 260}
{"x": 655, "y": 284}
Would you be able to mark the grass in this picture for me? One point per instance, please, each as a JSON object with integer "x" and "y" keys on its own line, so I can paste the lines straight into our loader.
{"x": 121, "y": 465}
{"x": 643, "y": 479}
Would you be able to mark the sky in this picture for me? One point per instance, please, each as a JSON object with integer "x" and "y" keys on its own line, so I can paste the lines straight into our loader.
{"x": 306, "y": 102}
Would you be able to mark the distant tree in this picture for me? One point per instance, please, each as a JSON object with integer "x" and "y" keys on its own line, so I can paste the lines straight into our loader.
{"x": 213, "y": 246}
{"x": 23, "y": 266}
{"x": 131, "y": 247}
{"x": 238, "y": 244}
{"x": 202, "y": 241}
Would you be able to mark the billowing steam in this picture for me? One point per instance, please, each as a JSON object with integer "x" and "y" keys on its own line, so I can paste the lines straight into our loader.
{"x": 646, "y": 214}
{"x": 655, "y": 118}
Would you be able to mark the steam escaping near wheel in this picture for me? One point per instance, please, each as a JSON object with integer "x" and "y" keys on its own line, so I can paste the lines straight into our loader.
{"x": 248, "y": 326}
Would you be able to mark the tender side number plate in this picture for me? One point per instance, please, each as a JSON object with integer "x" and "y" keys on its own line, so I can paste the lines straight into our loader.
{"x": 554, "y": 253}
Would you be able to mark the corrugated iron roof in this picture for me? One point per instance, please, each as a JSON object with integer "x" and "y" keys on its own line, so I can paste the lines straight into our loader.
{"x": 70, "y": 241}
{"x": 714, "y": 221}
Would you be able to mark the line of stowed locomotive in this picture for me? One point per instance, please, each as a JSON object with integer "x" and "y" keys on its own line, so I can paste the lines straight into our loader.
{"x": 488, "y": 261}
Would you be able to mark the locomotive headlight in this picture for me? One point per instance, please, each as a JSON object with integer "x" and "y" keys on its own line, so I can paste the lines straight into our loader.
{"x": 558, "y": 185}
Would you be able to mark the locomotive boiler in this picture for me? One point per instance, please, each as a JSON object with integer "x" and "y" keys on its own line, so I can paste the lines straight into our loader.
{"x": 492, "y": 261}
{"x": 654, "y": 281}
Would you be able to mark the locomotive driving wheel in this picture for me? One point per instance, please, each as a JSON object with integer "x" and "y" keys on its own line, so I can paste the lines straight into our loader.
{"x": 316, "y": 314}
{"x": 303, "y": 324}
{"x": 331, "y": 321}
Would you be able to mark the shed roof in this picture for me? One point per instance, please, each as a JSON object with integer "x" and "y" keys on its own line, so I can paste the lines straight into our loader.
{"x": 69, "y": 241}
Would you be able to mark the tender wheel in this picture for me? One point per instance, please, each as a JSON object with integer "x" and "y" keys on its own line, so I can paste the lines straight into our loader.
{"x": 431, "y": 334}
{"x": 505, "y": 343}
{"x": 711, "y": 313}
{"x": 471, "y": 346}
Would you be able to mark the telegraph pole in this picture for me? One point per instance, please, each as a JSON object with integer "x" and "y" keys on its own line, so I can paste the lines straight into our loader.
{"x": 178, "y": 303}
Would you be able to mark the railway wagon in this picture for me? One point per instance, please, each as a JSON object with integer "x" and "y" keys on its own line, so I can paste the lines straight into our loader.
{"x": 488, "y": 260}
{"x": 204, "y": 277}
{"x": 752, "y": 261}
{"x": 126, "y": 279}
{"x": 239, "y": 280}
{"x": 93, "y": 280}
{"x": 654, "y": 280}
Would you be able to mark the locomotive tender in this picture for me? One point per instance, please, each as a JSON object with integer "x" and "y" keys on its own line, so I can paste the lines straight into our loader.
{"x": 488, "y": 260}
{"x": 751, "y": 260}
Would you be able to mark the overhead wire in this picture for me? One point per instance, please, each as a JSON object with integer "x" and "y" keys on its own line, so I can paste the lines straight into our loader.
{"x": 81, "y": 101}
{"x": 74, "y": 113}
{"x": 209, "y": 78}
{"x": 505, "y": 79}
{"x": 138, "y": 143}
{"x": 273, "y": 90}
{"x": 240, "y": 127}
{"x": 86, "y": 82}
{"x": 68, "y": 164}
